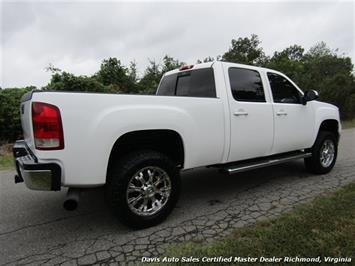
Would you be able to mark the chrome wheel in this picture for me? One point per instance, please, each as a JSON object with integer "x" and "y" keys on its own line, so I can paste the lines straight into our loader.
{"x": 148, "y": 191}
{"x": 327, "y": 153}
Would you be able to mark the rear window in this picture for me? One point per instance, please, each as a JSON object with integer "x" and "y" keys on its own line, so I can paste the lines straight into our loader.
{"x": 195, "y": 83}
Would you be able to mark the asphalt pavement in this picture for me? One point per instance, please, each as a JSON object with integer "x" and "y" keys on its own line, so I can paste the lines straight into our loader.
{"x": 36, "y": 230}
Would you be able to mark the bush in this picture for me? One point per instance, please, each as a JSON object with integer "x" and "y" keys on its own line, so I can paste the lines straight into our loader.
{"x": 10, "y": 124}
{"x": 65, "y": 81}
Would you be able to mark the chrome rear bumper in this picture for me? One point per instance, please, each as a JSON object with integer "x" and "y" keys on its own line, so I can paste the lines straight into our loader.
{"x": 37, "y": 176}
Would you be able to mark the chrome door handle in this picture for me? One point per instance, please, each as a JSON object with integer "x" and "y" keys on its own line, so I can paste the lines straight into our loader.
{"x": 281, "y": 113}
{"x": 240, "y": 113}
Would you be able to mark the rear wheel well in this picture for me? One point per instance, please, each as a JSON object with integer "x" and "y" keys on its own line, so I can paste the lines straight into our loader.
{"x": 168, "y": 142}
{"x": 330, "y": 125}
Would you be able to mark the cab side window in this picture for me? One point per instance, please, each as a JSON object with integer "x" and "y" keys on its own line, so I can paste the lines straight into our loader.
{"x": 246, "y": 85}
{"x": 167, "y": 85}
{"x": 195, "y": 83}
{"x": 282, "y": 90}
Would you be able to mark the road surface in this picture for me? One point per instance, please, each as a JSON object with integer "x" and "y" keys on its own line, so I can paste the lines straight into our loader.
{"x": 35, "y": 229}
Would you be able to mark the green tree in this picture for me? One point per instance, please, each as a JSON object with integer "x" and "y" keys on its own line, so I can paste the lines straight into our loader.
{"x": 169, "y": 63}
{"x": 207, "y": 59}
{"x": 332, "y": 76}
{"x": 154, "y": 72}
{"x": 289, "y": 61}
{"x": 132, "y": 72}
{"x": 112, "y": 72}
{"x": 245, "y": 51}
{"x": 150, "y": 81}
{"x": 320, "y": 69}
{"x": 64, "y": 81}
{"x": 10, "y": 124}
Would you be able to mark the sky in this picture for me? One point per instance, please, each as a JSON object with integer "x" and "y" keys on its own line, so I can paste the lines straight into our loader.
{"x": 76, "y": 36}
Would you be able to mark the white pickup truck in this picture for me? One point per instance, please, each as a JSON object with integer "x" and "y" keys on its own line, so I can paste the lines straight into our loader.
{"x": 225, "y": 115}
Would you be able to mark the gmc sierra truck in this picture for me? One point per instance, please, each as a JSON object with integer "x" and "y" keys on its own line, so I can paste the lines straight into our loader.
{"x": 230, "y": 116}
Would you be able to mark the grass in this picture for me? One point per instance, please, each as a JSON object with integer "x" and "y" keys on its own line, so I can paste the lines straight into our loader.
{"x": 325, "y": 227}
{"x": 6, "y": 161}
{"x": 348, "y": 123}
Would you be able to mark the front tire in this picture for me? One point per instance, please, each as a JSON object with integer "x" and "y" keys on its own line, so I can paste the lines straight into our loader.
{"x": 324, "y": 153}
{"x": 143, "y": 188}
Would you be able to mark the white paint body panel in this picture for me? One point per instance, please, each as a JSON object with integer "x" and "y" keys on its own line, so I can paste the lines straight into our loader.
{"x": 211, "y": 134}
{"x": 294, "y": 124}
{"x": 93, "y": 122}
{"x": 252, "y": 133}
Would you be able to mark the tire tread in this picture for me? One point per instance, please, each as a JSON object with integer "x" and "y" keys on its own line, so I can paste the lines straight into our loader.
{"x": 312, "y": 163}
{"x": 118, "y": 177}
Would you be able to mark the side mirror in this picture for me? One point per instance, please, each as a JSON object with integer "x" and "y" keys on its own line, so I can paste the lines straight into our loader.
{"x": 310, "y": 95}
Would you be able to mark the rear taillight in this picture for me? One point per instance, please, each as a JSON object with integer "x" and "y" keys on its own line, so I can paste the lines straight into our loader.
{"x": 47, "y": 126}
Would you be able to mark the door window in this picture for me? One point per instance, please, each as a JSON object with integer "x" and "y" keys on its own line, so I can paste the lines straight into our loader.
{"x": 282, "y": 90}
{"x": 246, "y": 85}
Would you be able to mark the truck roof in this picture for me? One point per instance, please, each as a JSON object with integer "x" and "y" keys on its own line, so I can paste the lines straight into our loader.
{"x": 209, "y": 64}
{"x": 196, "y": 66}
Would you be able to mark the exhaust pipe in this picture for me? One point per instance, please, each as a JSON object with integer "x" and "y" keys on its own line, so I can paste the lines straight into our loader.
{"x": 72, "y": 199}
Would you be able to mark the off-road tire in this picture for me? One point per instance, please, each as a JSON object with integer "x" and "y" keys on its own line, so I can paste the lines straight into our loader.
{"x": 313, "y": 164}
{"x": 121, "y": 173}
